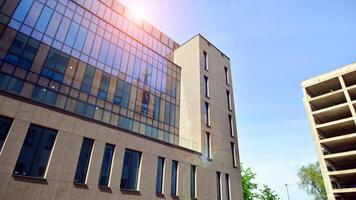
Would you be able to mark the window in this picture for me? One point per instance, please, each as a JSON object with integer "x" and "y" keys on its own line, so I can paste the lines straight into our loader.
{"x": 87, "y": 79}
{"x": 130, "y": 170}
{"x": 72, "y": 33}
{"x": 207, "y": 114}
{"x": 174, "y": 178}
{"x": 206, "y": 86}
{"x": 55, "y": 65}
{"x": 228, "y": 99}
{"x": 231, "y": 126}
{"x": 106, "y": 165}
{"x": 22, "y": 51}
{"x": 145, "y": 102}
{"x": 233, "y": 153}
{"x": 44, "y": 18}
{"x": 43, "y": 95}
{"x": 227, "y": 80}
{"x": 208, "y": 145}
{"x": 122, "y": 93}
{"x": 218, "y": 186}
{"x": 156, "y": 107}
{"x": 193, "y": 177}
{"x": 5, "y": 124}
{"x": 85, "y": 109}
{"x": 83, "y": 161}
{"x": 35, "y": 152}
{"x": 206, "y": 60}
{"x": 104, "y": 85}
{"x": 160, "y": 175}
{"x": 22, "y": 10}
{"x": 10, "y": 84}
{"x": 228, "y": 187}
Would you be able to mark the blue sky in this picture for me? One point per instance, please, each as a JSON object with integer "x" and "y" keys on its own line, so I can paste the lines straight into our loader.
{"x": 273, "y": 46}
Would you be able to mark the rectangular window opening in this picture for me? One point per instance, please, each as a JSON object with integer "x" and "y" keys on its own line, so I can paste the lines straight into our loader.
{"x": 106, "y": 165}
{"x": 174, "y": 178}
{"x": 35, "y": 152}
{"x": 131, "y": 170}
{"x": 160, "y": 175}
{"x": 83, "y": 161}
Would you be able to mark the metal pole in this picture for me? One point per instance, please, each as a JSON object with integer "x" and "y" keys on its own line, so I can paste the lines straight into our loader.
{"x": 287, "y": 191}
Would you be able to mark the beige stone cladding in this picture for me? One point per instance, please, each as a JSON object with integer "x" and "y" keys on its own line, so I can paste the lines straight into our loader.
{"x": 330, "y": 101}
{"x": 201, "y": 60}
{"x": 58, "y": 181}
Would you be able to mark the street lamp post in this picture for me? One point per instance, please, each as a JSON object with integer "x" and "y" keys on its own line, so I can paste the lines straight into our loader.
{"x": 287, "y": 191}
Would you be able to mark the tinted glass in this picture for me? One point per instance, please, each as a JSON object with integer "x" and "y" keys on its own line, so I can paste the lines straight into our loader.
{"x": 104, "y": 85}
{"x": 5, "y": 124}
{"x": 83, "y": 161}
{"x": 130, "y": 170}
{"x": 106, "y": 165}
{"x": 192, "y": 181}
{"x": 35, "y": 152}
{"x": 174, "y": 178}
{"x": 22, "y": 10}
{"x": 227, "y": 178}
{"x": 218, "y": 186}
{"x": 55, "y": 65}
{"x": 159, "y": 178}
{"x": 87, "y": 79}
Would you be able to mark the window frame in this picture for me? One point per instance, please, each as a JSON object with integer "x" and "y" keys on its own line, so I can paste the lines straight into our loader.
{"x": 107, "y": 184}
{"x": 84, "y": 182}
{"x": 161, "y": 187}
{"x": 7, "y": 130}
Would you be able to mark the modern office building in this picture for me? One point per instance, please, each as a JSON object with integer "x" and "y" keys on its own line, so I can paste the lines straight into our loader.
{"x": 330, "y": 102}
{"x": 96, "y": 104}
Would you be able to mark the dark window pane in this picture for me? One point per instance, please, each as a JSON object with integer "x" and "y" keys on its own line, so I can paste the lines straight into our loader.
{"x": 83, "y": 161}
{"x": 174, "y": 178}
{"x": 15, "y": 85}
{"x": 227, "y": 178}
{"x": 106, "y": 165}
{"x": 192, "y": 181}
{"x": 159, "y": 178}
{"x": 35, "y": 152}
{"x": 218, "y": 186}
{"x": 5, "y": 124}
{"x": 130, "y": 170}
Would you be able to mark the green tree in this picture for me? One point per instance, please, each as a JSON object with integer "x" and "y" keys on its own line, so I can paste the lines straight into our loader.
{"x": 266, "y": 193}
{"x": 248, "y": 185}
{"x": 312, "y": 182}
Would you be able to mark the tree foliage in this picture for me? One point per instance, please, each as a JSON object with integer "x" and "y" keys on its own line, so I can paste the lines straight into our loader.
{"x": 266, "y": 193}
{"x": 250, "y": 187}
{"x": 312, "y": 182}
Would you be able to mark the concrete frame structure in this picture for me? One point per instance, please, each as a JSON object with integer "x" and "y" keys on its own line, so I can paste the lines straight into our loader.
{"x": 330, "y": 101}
{"x": 184, "y": 141}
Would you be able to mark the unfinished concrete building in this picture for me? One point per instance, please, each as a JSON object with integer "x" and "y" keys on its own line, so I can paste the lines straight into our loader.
{"x": 330, "y": 101}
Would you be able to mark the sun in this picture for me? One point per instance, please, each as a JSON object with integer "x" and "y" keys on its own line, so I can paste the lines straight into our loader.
{"x": 138, "y": 12}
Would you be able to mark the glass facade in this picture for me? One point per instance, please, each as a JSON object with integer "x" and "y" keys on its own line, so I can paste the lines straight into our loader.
{"x": 70, "y": 55}
{"x": 5, "y": 124}
{"x": 35, "y": 152}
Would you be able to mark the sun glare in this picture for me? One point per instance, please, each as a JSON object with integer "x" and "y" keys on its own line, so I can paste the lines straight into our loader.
{"x": 138, "y": 12}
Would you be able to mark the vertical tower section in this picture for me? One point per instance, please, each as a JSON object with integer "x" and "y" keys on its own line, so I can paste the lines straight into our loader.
{"x": 207, "y": 113}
